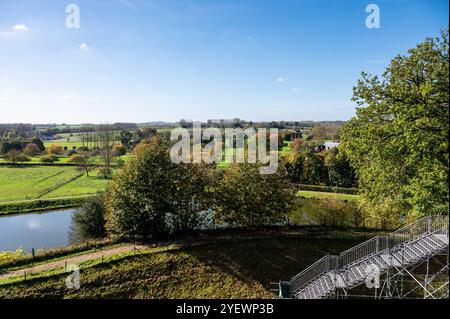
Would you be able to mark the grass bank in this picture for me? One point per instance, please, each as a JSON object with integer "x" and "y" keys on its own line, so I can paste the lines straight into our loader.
{"x": 19, "y": 207}
{"x": 232, "y": 264}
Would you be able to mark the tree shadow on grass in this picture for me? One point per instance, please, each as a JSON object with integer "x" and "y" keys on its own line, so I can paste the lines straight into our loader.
{"x": 269, "y": 259}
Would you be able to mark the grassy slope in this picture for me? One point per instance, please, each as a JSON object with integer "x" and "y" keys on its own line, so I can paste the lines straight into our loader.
{"x": 227, "y": 268}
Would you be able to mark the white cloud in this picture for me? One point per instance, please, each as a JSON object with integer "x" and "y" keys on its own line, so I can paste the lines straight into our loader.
{"x": 295, "y": 90}
{"x": 281, "y": 80}
{"x": 3, "y": 99}
{"x": 20, "y": 28}
{"x": 84, "y": 47}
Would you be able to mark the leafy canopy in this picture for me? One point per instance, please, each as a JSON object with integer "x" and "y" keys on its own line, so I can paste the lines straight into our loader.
{"x": 398, "y": 141}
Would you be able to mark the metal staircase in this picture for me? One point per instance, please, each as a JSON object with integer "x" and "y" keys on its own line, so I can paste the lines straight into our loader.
{"x": 392, "y": 257}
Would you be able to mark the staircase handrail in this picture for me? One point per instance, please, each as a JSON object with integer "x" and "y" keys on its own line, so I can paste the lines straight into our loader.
{"x": 325, "y": 264}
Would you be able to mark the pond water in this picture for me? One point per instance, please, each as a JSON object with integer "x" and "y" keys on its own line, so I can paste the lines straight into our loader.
{"x": 51, "y": 229}
{"x": 36, "y": 230}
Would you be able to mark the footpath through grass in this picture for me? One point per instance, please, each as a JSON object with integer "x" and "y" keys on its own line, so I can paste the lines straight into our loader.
{"x": 234, "y": 265}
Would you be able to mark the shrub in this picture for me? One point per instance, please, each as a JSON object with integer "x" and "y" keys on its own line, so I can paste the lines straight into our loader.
{"x": 247, "y": 198}
{"x": 55, "y": 150}
{"x": 89, "y": 223}
{"x": 7, "y": 257}
{"x": 15, "y": 156}
{"x": 119, "y": 150}
{"x": 151, "y": 195}
{"x": 49, "y": 159}
{"x": 31, "y": 149}
{"x": 71, "y": 152}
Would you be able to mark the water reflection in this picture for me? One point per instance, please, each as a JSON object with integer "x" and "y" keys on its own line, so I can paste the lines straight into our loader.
{"x": 37, "y": 230}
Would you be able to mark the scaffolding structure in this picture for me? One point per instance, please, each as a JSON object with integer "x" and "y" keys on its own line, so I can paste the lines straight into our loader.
{"x": 411, "y": 262}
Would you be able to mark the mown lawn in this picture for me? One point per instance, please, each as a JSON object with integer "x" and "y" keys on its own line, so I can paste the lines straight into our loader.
{"x": 313, "y": 194}
{"x": 81, "y": 186}
{"x": 233, "y": 267}
{"x": 64, "y": 143}
{"x": 25, "y": 183}
{"x": 21, "y": 183}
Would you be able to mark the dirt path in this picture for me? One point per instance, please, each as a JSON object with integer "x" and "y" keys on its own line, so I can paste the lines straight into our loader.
{"x": 72, "y": 260}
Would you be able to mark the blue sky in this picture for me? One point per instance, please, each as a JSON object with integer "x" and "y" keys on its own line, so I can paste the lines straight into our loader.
{"x": 138, "y": 61}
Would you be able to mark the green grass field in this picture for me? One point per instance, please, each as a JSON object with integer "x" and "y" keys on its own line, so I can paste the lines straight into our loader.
{"x": 24, "y": 183}
{"x": 313, "y": 194}
{"x": 81, "y": 186}
{"x": 233, "y": 266}
{"x": 64, "y": 143}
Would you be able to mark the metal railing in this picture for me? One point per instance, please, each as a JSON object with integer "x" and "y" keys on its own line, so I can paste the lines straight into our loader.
{"x": 421, "y": 227}
{"x": 364, "y": 250}
{"x": 323, "y": 265}
{"x": 372, "y": 247}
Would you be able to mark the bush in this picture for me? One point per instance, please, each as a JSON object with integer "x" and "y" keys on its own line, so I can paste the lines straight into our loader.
{"x": 49, "y": 159}
{"x": 89, "y": 223}
{"x": 151, "y": 195}
{"x": 15, "y": 156}
{"x": 249, "y": 199}
{"x": 119, "y": 150}
{"x": 71, "y": 152}
{"x": 8, "y": 257}
{"x": 55, "y": 150}
{"x": 31, "y": 149}
{"x": 328, "y": 189}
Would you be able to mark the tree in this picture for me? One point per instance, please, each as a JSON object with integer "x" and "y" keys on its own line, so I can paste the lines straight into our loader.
{"x": 88, "y": 223}
{"x": 119, "y": 150}
{"x": 84, "y": 160}
{"x": 246, "y": 198}
{"x": 31, "y": 149}
{"x": 193, "y": 185}
{"x": 49, "y": 159}
{"x": 15, "y": 156}
{"x": 126, "y": 138}
{"x": 106, "y": 139}
{"x": 37, "y": 141}
{"x": 151, "y": 195}
{"x": 340, "y": 172}
{"x": 398, "y": 141}
{"x": 55, "y": 150}
{"x": 306, "y": 167}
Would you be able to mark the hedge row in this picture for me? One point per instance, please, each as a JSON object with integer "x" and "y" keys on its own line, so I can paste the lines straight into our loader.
{"x": 39, "y": 205}
{"x": 328, "y": 189}
{"x": 36, "y": 164}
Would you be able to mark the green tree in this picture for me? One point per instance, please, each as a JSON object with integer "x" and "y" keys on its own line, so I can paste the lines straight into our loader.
{"x": 31, "y": 149}
{"x": 88, "y": 222}
{"x": 247, "y": 198}
{"x": 126, "y": 138}
{"x": 340, "y": 172}
{"x": 36, "y": 140}
{"x": 151, "y": 195}
{"x": 84, "y": 160}
{"x": 398, "y": 141}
